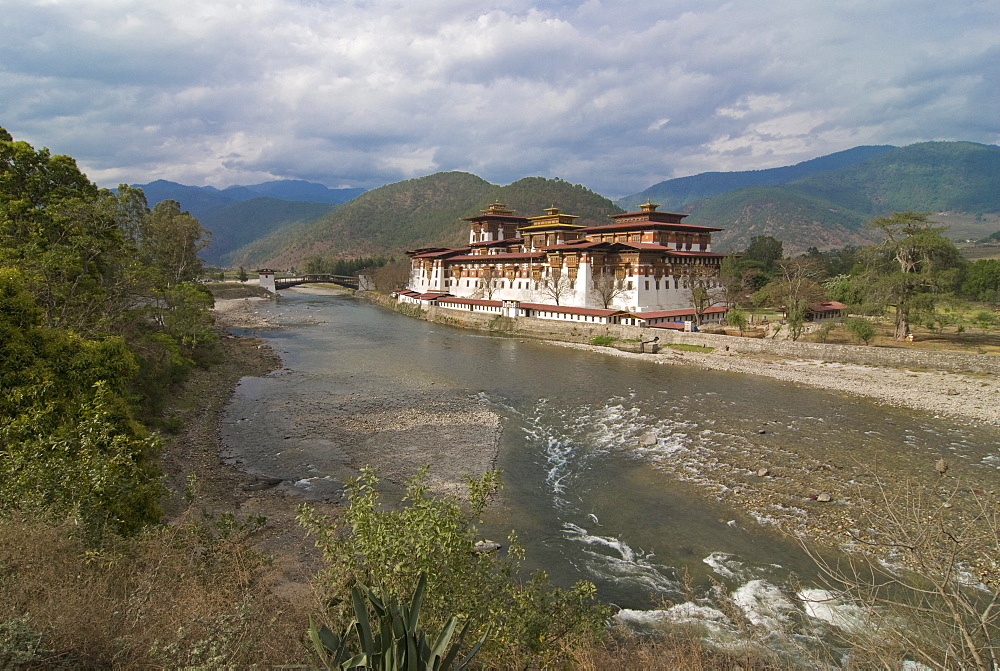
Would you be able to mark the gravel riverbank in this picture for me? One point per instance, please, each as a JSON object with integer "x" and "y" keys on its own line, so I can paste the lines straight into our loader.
{"x": 394, "y": 431}
{"x": 820, "y": 495}
{"x": 974, "y": 398}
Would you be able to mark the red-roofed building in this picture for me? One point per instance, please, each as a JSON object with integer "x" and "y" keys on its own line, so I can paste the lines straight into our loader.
{"x": 643, "y": 261}
{"x": 827, "y": 310}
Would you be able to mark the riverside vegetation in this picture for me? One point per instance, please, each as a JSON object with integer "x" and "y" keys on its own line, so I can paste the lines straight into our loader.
{"x": 99, "y": 318}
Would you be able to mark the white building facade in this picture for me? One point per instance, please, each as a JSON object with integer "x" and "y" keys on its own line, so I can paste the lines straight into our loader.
{"x": 643, "y": 261}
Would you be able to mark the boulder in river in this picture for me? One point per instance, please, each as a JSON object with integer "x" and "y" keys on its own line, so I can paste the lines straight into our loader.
{"x": 486, "y": 546}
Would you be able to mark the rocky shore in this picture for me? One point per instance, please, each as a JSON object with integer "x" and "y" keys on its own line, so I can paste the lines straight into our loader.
{"x": 974, "y": 398}
{"x": 822, "y": 495}
{"x": 394, "y": 431}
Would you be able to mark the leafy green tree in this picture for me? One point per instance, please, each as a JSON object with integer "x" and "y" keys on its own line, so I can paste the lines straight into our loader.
{"x": 68, "y": 442}
{"x": 912, "y": 265}
{"x": 766, "y": 250}
{"x": 171, "y": 242}
{"x": 862, "y": 329}
{"x": 836, "y": 261}
{"x": 738, "y": 318}
{"x": 982, "y": 281}
{"x": 984, "y": 319}
{"x": 71, "y": 240}
{"x": 242, "y": 275}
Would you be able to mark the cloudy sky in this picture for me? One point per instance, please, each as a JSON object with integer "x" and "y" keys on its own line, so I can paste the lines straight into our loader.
{"x": 614, "y": 95}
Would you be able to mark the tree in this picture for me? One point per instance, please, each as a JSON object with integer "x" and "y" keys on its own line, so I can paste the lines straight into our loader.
{"x": 172, "y": 241}
{"x": 923, "y": 578}
{"x": 982, "y": 281}
{"x": 606, "y": 287}
{"x": 392, "y": 276}
{"x": 701, "y": 294}
{"x": 738, "y": 318}
{"x": 556, "y": 286}
{"x": 736, "y": 280}
{"x": 796, "y": 287}
{"x": 765, "y": 250}
{"x": 242, "y": 274}
{"x": 912, "y": 264}
{"x": 862, "y": 329}
{"x": 487, "y": 285}
{"x": 984, "y": 319}
{"x": 68, "y": 441}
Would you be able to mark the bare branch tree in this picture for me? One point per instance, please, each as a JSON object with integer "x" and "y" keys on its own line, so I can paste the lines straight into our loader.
{"x": 796, "y": 288}
{"x": 926, "y": 577}
{"x": 606, "y": 287}
{"x": 701, "y": 294}
{"x": 392, "y": 276}
{"x": 487, "y": 285}
{"x": 556, "y": 285}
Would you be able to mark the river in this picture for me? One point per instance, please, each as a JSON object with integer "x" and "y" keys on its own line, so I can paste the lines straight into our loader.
{"x": 584, "y": 496}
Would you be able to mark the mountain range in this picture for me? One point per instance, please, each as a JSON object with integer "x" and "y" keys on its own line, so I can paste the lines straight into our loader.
{"x": 825, "y": 203}
{"x": 421, "y": 212}
{"x": 237, "y": 215}
{"x": 674, "y": 194}
{"x": 957, "y": 181}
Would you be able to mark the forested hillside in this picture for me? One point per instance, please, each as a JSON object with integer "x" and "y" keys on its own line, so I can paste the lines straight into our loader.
{"x": 241, "y": 223}
{"x": 99, "y": 315}
{"x": 674, "y": 194}
{"x": 829, "y": 209}
{"x": 799, "y": 220}
{"x": 930, "y": 176}
{"x": 421, "y": 212}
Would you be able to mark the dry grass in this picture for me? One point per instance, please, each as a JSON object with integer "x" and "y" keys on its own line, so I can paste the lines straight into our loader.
{"x": 972, "y": 340}
{"x": 177, "y": 596}
{"x": 628, "y": 651}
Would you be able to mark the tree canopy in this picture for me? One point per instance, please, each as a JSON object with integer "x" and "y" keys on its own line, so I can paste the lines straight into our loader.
{"x": 913, "y": 263}
{"x": 95, "y": 321}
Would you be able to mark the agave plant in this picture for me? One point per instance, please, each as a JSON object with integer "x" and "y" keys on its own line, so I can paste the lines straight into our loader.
{"x": 389, "y": 636}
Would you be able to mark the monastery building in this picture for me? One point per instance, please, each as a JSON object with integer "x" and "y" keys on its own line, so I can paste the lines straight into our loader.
{"x": 645, "y": 261}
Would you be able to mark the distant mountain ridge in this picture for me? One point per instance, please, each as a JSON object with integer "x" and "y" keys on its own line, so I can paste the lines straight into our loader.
{"x": 674, "y": 194}
{"x": 830, "y": 209}
{"x": 238, "y": 215}
{"x": 824, "y": 205}
{"x": 422, "y": 212}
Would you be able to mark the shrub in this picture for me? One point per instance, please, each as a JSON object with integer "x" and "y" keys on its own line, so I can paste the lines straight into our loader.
{"x": 862, "y": 329}
{"x": 603, "y": 341}
{"x": 501, "y": 324}
{"x": 389, "y": 549}
{"x": 738, "y": 318}
{"x": 822, "y": 334}
{"x": 388, "y": 633}
{"x": 926, "y": 578}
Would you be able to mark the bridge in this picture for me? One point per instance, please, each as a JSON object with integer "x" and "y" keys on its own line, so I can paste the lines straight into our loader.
{"x": 315, "y": 278}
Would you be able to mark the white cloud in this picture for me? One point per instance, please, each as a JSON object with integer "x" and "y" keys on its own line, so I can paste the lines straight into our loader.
{"x": 614, "y": 96}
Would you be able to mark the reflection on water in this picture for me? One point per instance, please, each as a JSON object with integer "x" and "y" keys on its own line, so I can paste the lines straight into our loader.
{"x": 585, "y": 498}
